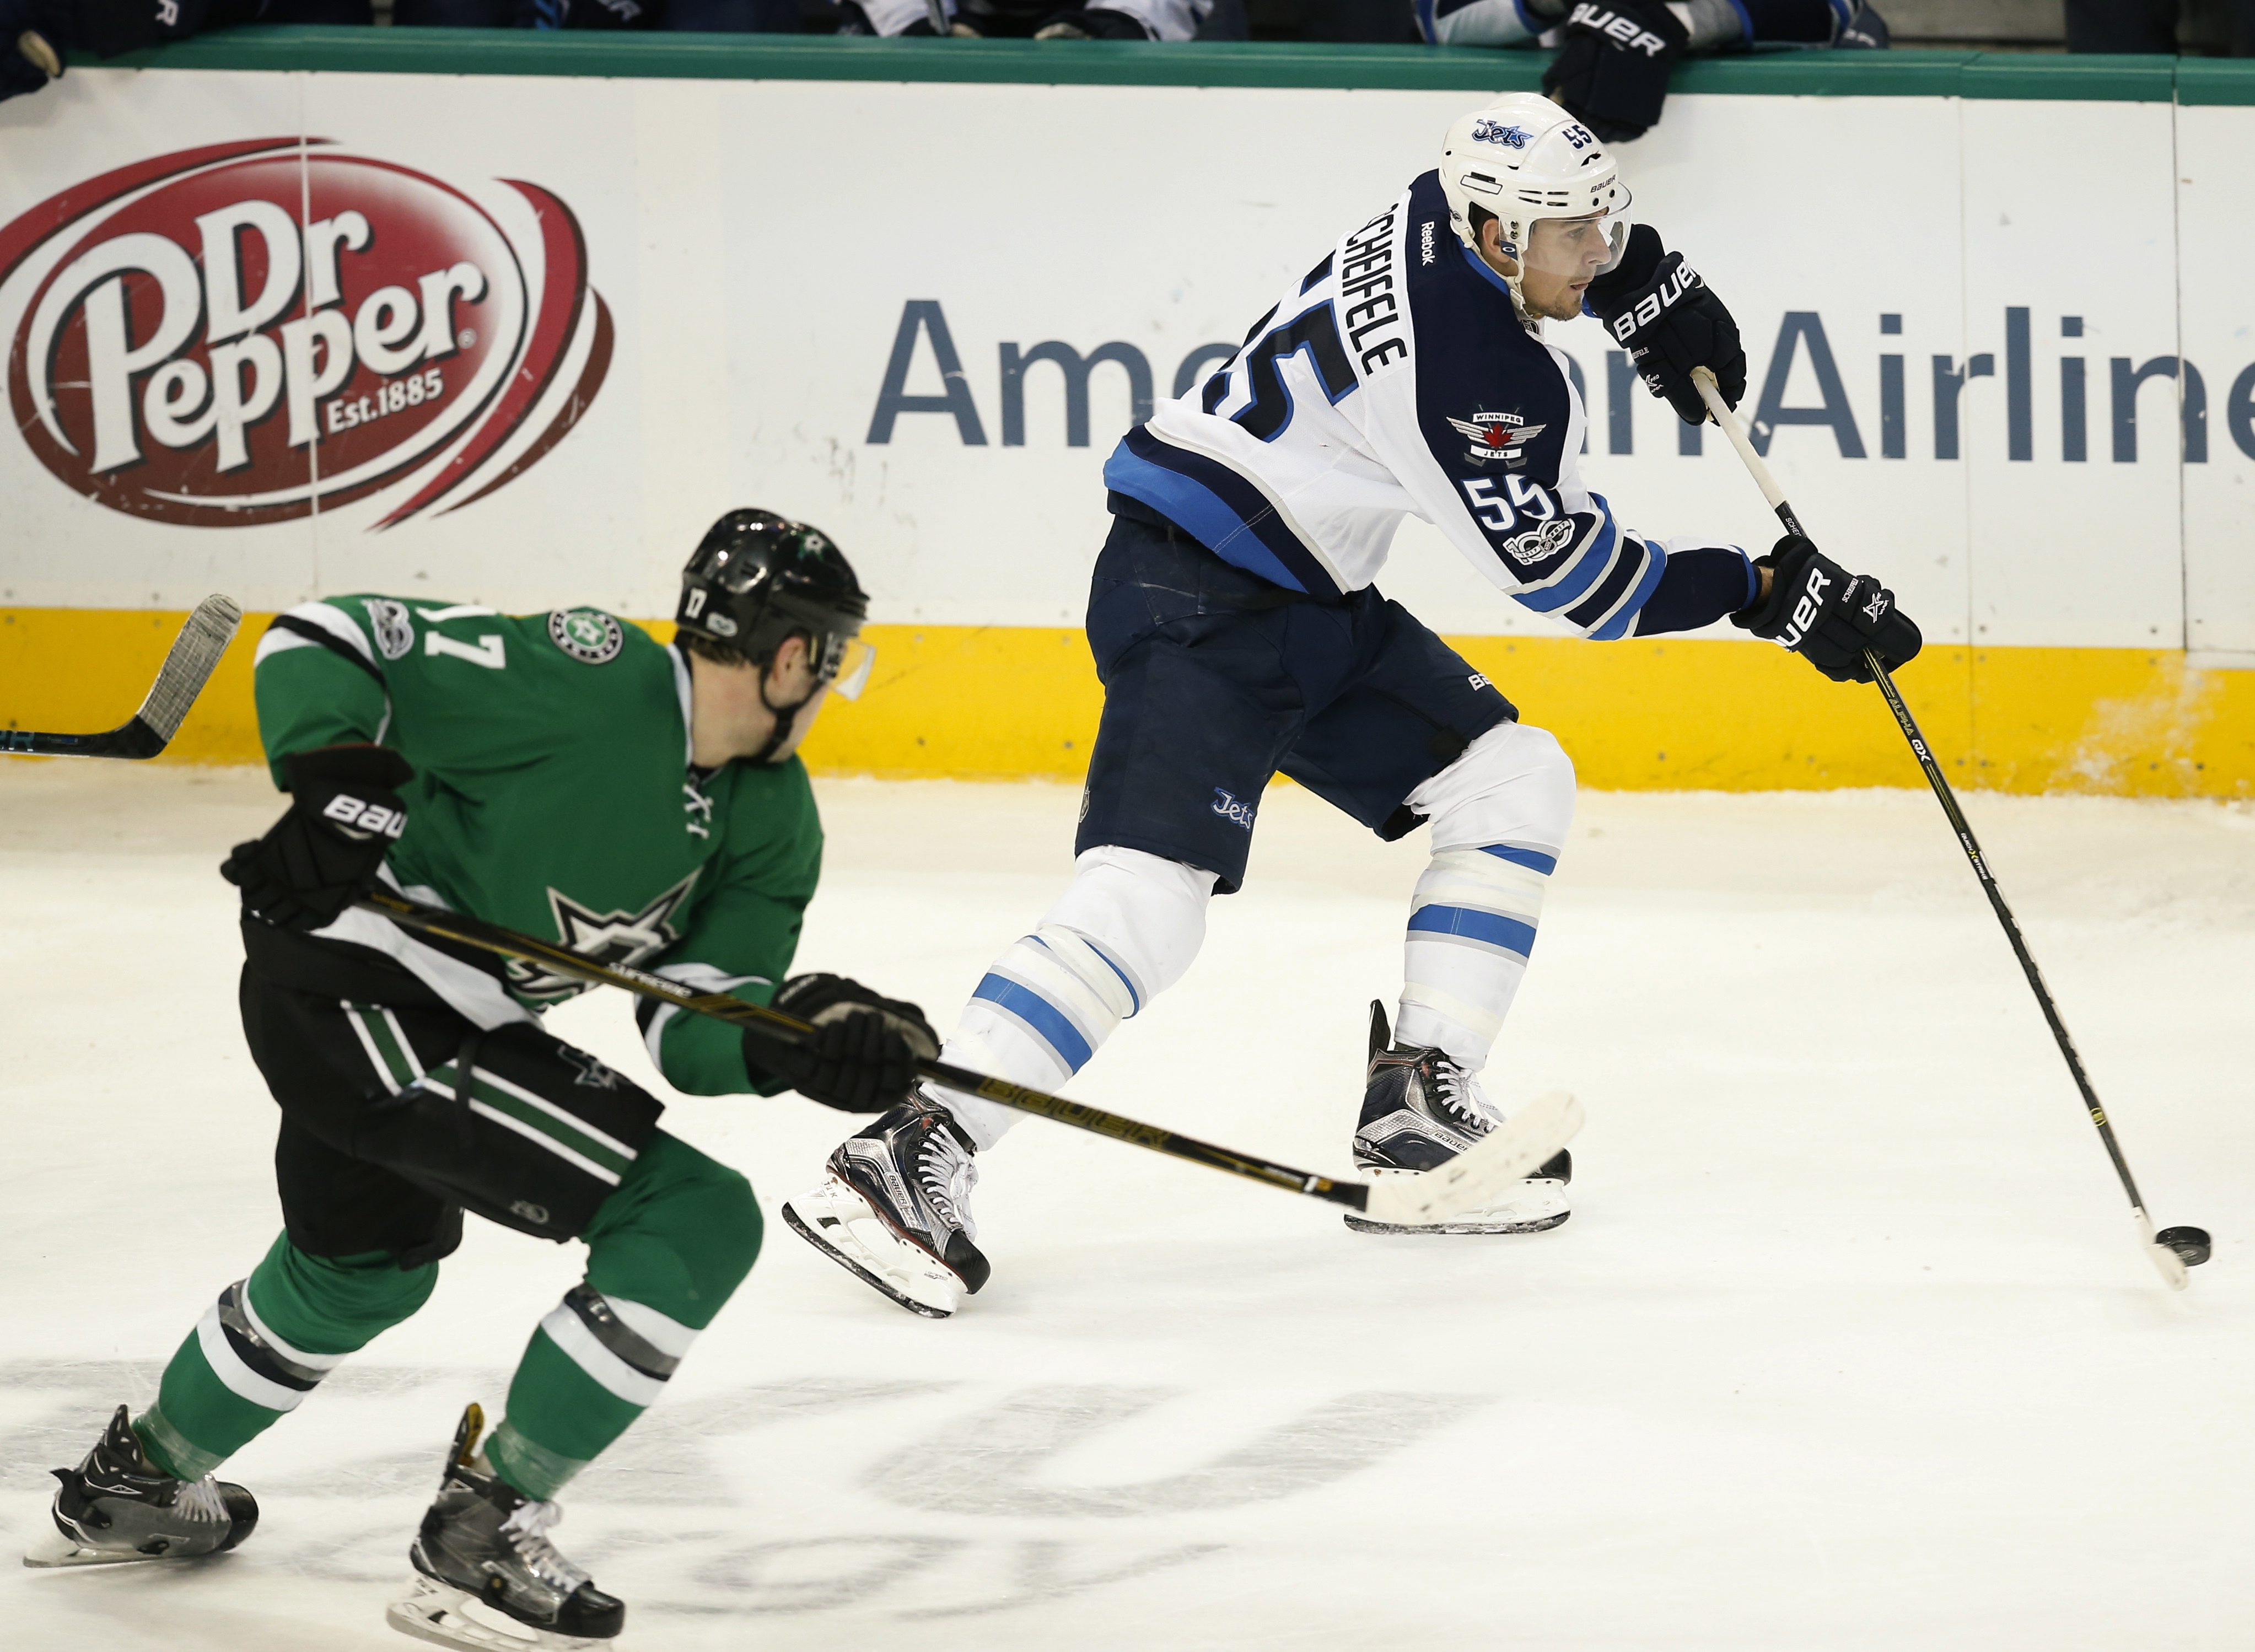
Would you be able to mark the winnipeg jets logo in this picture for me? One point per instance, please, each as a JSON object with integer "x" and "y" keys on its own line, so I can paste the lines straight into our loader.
{"x": 615, "y": 937}
{"x": 1501, "y": 436}
{"x": 1498, "y": 132}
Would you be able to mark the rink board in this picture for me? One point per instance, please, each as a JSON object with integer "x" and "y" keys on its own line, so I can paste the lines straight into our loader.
{"x": 920, "y": 311}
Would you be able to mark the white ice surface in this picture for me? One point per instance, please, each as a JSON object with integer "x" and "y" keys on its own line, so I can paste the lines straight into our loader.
{"x": 1847, "y": 1348}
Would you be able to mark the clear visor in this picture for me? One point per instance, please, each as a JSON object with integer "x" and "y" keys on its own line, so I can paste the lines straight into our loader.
{"x": 1575, "y": 250}
{"x": 845, "y": 665}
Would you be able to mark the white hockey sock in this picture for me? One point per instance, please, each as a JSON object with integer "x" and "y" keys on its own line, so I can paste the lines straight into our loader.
{"x": 1500, "y": 815}
{"x": 1123, "y": 932}
{"x": 1471, "y": 926}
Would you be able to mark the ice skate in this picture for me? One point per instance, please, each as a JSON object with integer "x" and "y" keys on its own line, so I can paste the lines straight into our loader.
{"x": 117, "y": 1506}
{"x": 1419, "y": 1109}
{"x": 895, "y": 1209}
{"x": 483, "y": 1544}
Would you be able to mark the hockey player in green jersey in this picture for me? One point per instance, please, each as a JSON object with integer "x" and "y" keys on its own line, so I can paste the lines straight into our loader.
{"x": 561, "y": 774}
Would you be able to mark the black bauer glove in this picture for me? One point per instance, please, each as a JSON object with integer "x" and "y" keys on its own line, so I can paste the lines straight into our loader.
{"x": 1827, "y": 616}
{"x": 1670, "y": 321}
{"x": 1611, "y": 74}
{"x": 322, "y": 855}
{"x": 862, "y": 1056}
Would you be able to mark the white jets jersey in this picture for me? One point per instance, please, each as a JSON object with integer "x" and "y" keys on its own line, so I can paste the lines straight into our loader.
{"x": 1396, "y": 379}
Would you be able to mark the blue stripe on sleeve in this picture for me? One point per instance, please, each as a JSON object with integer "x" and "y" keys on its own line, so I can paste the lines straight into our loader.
{"x": 1491, "y": 927}
{"x": 1216, "y": 507}
{"x": 1592, "y": 563}
{"x": 1631, "y": 566}
{"x": 1532, "y": 859}
{"x": 1616, "y": 628}
{"x": 1042, "y": 1016}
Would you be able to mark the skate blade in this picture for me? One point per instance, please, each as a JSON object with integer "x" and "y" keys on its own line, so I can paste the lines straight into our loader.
{"x": 55, "y": 1549}
{"x": 834, "y": 1213}
{"x": 1481, "y": 1176}
{"x": 1533, "y": 1225}
{"x": 440, "y": 1613}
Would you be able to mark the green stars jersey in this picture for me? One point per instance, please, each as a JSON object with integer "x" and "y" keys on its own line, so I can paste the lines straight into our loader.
{"x": 553, "y": 793}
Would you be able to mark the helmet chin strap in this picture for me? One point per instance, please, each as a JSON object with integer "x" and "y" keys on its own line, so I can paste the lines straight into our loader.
{"x": 785, "y": 717}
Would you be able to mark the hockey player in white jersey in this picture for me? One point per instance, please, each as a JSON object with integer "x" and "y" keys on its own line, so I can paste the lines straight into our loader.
{"x": 1238, "y": 632}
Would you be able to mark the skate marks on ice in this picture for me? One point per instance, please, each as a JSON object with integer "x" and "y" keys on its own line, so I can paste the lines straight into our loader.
{"x": 992, "y": 1466}
{"x": 988, "y": 1469}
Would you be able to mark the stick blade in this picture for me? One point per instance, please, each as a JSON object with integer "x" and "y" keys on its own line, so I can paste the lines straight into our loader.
{"x": 1515, "y": 1150}
{"x": 195, "y": 656}
{"x": 2167, "y": 1262}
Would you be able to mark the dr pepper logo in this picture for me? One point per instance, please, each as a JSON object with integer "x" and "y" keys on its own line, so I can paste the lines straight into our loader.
{"x": 251, "y": 332}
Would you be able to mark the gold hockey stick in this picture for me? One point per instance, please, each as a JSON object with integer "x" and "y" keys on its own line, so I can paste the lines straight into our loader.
{"x": 1516, "y": 1148}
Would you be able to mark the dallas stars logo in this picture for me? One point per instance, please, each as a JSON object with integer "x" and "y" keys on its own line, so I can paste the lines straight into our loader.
{"x": 615, "y": 937}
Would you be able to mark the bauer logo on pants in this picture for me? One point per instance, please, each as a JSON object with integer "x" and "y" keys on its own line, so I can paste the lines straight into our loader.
{"x": 246, "y": 332}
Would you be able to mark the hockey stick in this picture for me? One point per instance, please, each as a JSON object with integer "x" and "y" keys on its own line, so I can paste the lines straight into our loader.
{"x": 1516, "y": 1148}
{"x": 195, "y": 652}
{"x": 2173, "y": 1250}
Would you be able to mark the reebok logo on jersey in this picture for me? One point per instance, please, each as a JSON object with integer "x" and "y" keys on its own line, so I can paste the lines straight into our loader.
{"x": 361, "y": 820}
{"x": 1425, "y": 242}
{"x": 1605, "y": 21}
{"x": 1238, "y": 814}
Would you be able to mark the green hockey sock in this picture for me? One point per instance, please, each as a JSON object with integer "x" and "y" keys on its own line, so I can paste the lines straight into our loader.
{"x": 266, "y": 1344}
{"x": 665, "y": 1251}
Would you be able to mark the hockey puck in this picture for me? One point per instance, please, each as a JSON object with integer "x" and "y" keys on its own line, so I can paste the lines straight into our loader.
{"x": 2191, "y": 1244}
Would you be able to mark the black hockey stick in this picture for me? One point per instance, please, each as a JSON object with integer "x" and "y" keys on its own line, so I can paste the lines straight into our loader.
{"x": 1515, "y": 1149}
{"x": 2172, "y": 1250}
{"x": 194, "y": 654}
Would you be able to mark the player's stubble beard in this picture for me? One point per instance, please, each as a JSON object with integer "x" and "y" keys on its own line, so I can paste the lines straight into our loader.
{"x": 744, "y": 711}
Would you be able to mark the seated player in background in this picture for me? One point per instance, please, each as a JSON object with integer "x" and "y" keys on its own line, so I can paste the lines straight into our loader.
{"x": 1614, "y": 58}
{"x": 1049, "y": 19}
{"x": 1237, "y": 632}
{"x": 564, "y": 775}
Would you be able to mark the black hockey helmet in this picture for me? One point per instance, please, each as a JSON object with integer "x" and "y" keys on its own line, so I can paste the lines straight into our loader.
{"x": 758, "y": 578}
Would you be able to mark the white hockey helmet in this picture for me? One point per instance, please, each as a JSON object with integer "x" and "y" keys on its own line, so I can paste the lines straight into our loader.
{"x": 1524, "y": 159}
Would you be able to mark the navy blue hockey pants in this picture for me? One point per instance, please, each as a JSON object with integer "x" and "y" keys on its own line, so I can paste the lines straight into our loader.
{"x": 1214, "y": 680}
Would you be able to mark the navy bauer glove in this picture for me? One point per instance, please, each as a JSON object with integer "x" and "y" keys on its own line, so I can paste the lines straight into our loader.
{"x": 345, "y": 814}
{"x": 1827, "y": 616}
{"x": 1670, "y": 321}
